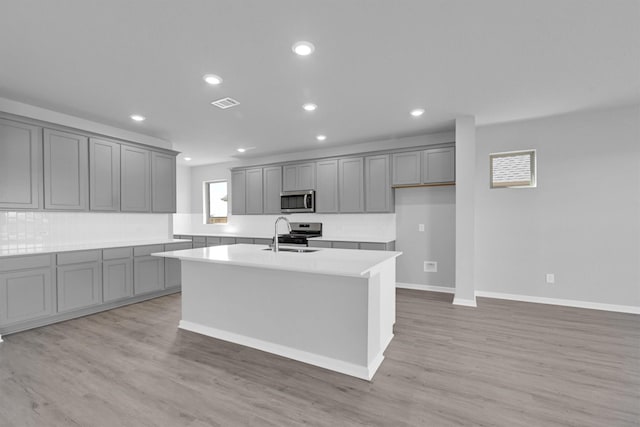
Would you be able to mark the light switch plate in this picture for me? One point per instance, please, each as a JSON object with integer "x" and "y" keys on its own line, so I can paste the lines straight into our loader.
{"x": 430, "y": 267}
{"x": 420, "y": 227}
{"x": 551, "y": 278}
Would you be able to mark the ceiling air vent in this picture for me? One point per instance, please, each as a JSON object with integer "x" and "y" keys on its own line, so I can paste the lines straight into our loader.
{"x": 225, "y": 103}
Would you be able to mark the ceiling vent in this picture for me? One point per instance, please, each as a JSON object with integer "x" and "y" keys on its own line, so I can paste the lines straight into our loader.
{"x": 225, "y": 103}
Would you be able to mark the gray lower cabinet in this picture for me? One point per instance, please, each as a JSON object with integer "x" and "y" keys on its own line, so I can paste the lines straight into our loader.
{"x": 377, "y": 184}
{"x": 262, "y": 241}
{"x": 438, "y": 165}
{"x": 148, "y": 272}
{"x": 239, "y": 192}
{"x": 20, "y": 165}
{"x": 66, "y": 171}
{"x": 26, "y": 289}
{"x": 135, "y": 179}
{"x": 351, "y": 184}
{"x": 320, "y": 244}
{"x": 272, "y": 182}
{"x": 327, "y": 186}
{"x": 163, "y": 182}
{"x": 228, "y": 240}
{"x": 79, "y": 286}
{"x": 173, "y": 267}
{"x": 406, "y": 168}
{"x": 345, "y": 245}
{"x": 254, "y": 191}
{"x": 244, "y": 240}
{"x": 104, "y": 175}
{"x": 213, "y": 241}
{"x": 389, "y": 246}
{"x": 117, "y": 274}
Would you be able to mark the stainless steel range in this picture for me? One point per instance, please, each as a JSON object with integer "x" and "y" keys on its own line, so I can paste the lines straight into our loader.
{"x": 300, "y": 232}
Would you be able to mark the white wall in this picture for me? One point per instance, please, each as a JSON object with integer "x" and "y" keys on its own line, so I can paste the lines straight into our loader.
{"x": 581, "y": 223}
{"x": 435, "y": 207}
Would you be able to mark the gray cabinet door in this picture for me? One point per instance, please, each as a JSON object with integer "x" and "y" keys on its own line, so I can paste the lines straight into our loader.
{"x": 254, "y": 191}
{"x": 299, "y": 177}
{"x": 327, "y": 186}
{"x": 438, "y": 165}
{"x": 117, "y": 279}
{"x": 172, "y": 273}
{"x": 20, "y": 166}
{"x": 25, "y": 295}
{"x": 104, "y": 175}
{"x": 406, "y": 168}
{"x": 79, "y": 286}
{"x": 239, "y": 192}
{"x": 351, "y": 184}
{"x": 66, "y": 171}
{"x": 148, "y": 274}
{"x": 319, "y": 244}
{"x": 345, "y": 245}
{"x": 163, "y": 182}
{"x": 272, "y": 179}
{"x": 135, "y": 179}
{"x": 377, "y": 184}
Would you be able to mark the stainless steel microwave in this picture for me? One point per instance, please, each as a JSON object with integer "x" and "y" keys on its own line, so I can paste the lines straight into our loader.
{"x": 298, "y": 201}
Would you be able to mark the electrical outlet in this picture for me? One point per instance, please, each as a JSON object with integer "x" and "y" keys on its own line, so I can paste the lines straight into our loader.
{"x": 420, "y": 227}
{"x": 551, "y": 278}
{"x": 430, "y": 267}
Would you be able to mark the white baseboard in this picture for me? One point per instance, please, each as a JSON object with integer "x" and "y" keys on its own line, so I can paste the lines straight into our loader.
{"x": 358, "y": 371}
{"x": 565, "y": 302}
{"x": 465, "y": 302}
{"x": 443, "y": 289}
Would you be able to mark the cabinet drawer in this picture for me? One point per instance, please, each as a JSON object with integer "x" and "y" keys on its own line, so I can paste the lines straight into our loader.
{"x": 213, "y": 241}
{"x": 78, "y": 257}
{"x": 199, "y": 239}
{"x": 244, "y": 240}
{"x": 373, "y": 246}
{"x": 117, "y": 253}
{"x": 262, "y": 241}
{"x": 177, "y": 246}
{"x": 24, "y": 262}
{"x": 147, "y": 250}
{"x": 319, "y": 244}
{"x": 345, "y": 245}
{"x": 228, "y": 240}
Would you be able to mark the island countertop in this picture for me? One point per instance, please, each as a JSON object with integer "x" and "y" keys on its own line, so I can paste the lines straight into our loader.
{"x": 340, "y": 262}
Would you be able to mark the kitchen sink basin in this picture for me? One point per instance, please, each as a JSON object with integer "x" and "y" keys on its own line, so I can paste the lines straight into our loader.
{"x": 298, "y": 250}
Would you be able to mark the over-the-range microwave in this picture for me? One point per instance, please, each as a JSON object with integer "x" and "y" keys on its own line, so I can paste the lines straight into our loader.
{"x": 298, "y": 201}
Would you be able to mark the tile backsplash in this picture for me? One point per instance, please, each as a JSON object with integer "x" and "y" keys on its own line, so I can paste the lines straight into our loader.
{"x": 30, "y": 228}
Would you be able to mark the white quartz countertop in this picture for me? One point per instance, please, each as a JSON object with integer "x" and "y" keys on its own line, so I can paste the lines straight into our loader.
{"x": 7, "y": 250}
{"x": 339, "y": 262}
{"x": 362, "y": 239}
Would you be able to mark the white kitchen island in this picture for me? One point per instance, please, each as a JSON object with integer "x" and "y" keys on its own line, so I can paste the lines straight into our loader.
{"x": 333, "y": 308}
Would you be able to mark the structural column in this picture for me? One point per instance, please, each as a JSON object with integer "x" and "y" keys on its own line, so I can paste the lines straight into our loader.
{"x": 465, "y": 293}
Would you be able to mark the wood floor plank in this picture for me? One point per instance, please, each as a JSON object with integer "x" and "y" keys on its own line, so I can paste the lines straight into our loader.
{"x": 504, "y": 363}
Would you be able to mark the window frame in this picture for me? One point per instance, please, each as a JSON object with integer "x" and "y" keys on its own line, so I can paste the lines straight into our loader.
{"x": 533, "y": 179}
{"x": 209, "y": 219}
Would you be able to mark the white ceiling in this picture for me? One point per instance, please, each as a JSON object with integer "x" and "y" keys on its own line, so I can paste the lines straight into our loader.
{"x": 375, "y": 60}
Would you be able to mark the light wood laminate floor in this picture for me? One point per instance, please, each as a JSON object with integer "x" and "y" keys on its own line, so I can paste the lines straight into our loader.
{"x": 504, "y": 363}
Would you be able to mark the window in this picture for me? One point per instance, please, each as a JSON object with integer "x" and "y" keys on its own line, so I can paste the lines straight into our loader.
{"x": 215, "y": 195}
{"x": 513, "y": 169}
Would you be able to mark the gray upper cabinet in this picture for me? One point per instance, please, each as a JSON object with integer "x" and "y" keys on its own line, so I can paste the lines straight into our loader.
{"x": 163, "y": 182}
{"x": 254, "y": 191}
{"x": 327, "y": 186}
{"x": 351, "y": 184}
{"x": 135, "y": 179}
{"x": 104, "y": 175}
{"x": 438, "y": 165}
{"x": 272, "y": 181}
{"x": 20, "y": 166}
{"x": 377, "y": 184}
{"x": 299, "y": 177}
{"x": 66, "y": 171}
{"x": 239, "y": 192}
{"x": 406, "y": 168}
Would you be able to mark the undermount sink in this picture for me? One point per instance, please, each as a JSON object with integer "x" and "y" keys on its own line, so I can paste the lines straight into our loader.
{"x": 298, "y": 250}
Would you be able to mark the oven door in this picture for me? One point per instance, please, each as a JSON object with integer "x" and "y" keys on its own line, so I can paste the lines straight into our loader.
{"x": 297, "y": 201}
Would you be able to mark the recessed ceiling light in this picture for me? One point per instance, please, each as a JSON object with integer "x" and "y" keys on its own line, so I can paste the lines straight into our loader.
{"x": 417, "y": 112}
{"x": 137, "y": 117}
{"x": 303, "y": 48}
{"x": 212, "y": 79}
{"x": 188, "y": 159}
{"x": 241, "y": 150}
{"x": 321, "y": 137}
{"x": 309, "y": 107}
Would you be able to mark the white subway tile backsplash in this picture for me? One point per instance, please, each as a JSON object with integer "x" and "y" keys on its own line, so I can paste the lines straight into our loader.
{"x": 34, "y": 229}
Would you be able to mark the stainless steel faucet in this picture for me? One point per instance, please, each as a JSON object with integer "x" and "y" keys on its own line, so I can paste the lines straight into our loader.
{"x": 276, "y": 248}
